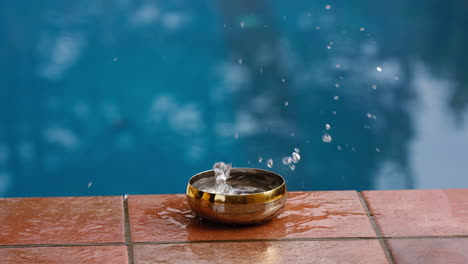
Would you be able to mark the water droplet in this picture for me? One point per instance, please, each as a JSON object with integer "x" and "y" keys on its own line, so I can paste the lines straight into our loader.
{"x": 270, "y": 163}
{"x": 242, "y": 24}
{"x": 362, "y": 29}
{"x": 260, "y": 159}
{"x": 379, "y": 69}
{"x": 236, "y": 135}
{"x": 89, "y": 184}
{"x": 296, "y": 150}
{"x": 296, "y": 157}
{"x": 292, "y": 134}
{"x": 396, "y": 78}
{"x": 334, "y": 112}
{"x": 115, "y": 59}
{"x": 287, "y": 160}
{"x": 283, "y": 80}
{"x": 377, "y": 149}
{"x": 261, "y": 70}
{"x": 224, "y": 25}
{"x": 240, "y": 61}
{"x": 338, "y": 66}
{"x": 353, "y": 149}
{"x": 126, "y": 197}
{"x": 326, "y": 138}
{"x": 331, "y": 42}
{"x": 317, "y": 27}
{"x": 336, "y": 97}
{"x": 248, "y": 162}
{"x": 374, "y": 87}
{"x": 292, "y": 166}
{"x": 338, "y": 147}
{"x": 286, "y": 103}
{"x": 327, "y": 126}
{"x": 371, "y": 116}
{"x": 337, "y": 85}
{"x": 327, "y": 7}
{"x": 329, "y": 47}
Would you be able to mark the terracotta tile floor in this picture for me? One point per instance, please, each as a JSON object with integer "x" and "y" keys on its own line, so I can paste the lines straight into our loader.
{"x": 65, "y": 255}
{"x": 413, "y": 226}
{"x": 64, "y": 220}
{"x": 430, "y": 250}
{"x": 358, "y": 251}
{"x": 420, "y": 212}
{"x": 307, "y": 215}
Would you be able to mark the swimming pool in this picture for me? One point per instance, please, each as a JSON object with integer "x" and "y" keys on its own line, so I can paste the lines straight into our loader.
{"x": 115, "y": 97}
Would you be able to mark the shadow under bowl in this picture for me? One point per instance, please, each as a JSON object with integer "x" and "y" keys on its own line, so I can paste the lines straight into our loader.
{"x": 239, "y": 209}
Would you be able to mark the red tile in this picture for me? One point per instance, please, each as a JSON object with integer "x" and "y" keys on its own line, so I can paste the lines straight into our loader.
{"x": 420, "y": 212}
{"x": 61, "y": 220}
{"x": 307, "y": 215}
{"x": 362, "y": 251}
{"x": 62, "y": 255}
{"x": 430, "y": 251}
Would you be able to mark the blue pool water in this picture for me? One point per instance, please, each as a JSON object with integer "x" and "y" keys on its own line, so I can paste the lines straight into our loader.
{"x": 115, "y": 97}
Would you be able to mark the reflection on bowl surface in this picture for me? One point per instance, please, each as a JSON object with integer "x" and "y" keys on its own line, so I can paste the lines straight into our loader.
{"x": 239, "y": 209}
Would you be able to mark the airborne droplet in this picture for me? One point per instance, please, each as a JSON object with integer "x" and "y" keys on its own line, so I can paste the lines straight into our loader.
{"x": 326, "y": 138}
{"x": 296, "y": 157}
{"x": 287, "y": 160}
{"x": 260, "y": 159}
{"x": 270, "y": 163}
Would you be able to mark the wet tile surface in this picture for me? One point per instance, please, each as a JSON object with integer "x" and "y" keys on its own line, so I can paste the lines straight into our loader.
{"x": 307, "y": 215}
{"x": 61, "y": 220}
{"x": 62, "y": 255}
{"x": 420, "y": 212}
{"x": 364, "y": 251}
{"x": 430, "y": 251}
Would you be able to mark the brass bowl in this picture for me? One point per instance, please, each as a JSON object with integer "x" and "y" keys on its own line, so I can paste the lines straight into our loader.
{"x": 242, "y": 209}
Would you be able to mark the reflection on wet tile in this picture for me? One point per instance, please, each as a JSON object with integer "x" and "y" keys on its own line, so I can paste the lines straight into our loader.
{"x": 62, "y": 255}
{"x": 420, "y": 212}
{"x": 61, "y": 220}
{"x": 307, "y": 215}
{"x": 363, "y": 251}
{"x": 430, "y": 251}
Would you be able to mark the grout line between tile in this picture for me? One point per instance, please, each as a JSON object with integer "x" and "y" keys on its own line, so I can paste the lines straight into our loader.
{"x": 232, "y": 241}
{"x": 128, "y": 235}
{"x": 62, "y": 245}
{"x": 376, "y": 228}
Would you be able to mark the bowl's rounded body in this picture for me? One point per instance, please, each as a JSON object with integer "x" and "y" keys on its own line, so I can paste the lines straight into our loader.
{"x": 240, "y": 209}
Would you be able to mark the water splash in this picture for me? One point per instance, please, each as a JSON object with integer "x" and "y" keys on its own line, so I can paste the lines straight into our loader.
{"x": 238, "y": 185}
{"x": 222, "y": 171}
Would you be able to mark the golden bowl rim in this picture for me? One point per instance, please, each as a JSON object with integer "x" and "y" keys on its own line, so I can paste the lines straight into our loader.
{"x": 254, "y": 198}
